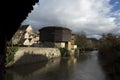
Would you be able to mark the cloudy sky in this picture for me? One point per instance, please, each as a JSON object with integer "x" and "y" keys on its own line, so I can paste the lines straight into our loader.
{"x": 94, "y": 17}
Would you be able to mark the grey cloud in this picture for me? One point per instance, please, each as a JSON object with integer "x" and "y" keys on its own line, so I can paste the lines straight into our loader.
{"x": 79, "y": 15}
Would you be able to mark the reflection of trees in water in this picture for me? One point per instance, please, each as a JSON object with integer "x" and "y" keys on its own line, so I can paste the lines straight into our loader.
{"x": 111, "y": 65}
{"x": 83, "y": 56}
{"x": 64, "y": 70}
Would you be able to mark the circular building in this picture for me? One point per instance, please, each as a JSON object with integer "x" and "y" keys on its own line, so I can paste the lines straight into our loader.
{"x": 55, "y": 34}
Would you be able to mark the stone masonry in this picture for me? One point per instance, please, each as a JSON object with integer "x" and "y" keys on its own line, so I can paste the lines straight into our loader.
{"x": 26, "y": 55}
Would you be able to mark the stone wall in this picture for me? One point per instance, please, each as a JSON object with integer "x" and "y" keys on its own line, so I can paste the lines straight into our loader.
{"x": 26, "y": 55}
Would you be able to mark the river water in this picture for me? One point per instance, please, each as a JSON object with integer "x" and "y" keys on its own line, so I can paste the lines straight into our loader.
{"x": 84, "y": 67}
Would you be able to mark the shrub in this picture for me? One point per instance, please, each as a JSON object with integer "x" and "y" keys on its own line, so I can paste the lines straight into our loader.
{"x": 10, "y": 53}
{"x": 64, "y": 52}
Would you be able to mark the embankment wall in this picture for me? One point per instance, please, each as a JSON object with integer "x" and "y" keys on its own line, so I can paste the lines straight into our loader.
{"x": 26, "y": 55}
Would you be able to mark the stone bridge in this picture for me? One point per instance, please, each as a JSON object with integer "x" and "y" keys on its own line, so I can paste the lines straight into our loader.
{"x": 13, "y": 12}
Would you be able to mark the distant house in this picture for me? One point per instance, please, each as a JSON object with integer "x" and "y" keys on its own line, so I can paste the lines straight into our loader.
{"x": 25, "y": 36}
{"x": 73, "y": 44}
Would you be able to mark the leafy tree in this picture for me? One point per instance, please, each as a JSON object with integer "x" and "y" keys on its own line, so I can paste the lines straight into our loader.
{"x": 109, "y": 42}
{"x": 84, "y": 43}
{"x": 81, "y": 40}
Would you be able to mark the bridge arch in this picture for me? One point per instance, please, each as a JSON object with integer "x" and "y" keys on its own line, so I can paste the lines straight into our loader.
{"x": 13, "y": 13}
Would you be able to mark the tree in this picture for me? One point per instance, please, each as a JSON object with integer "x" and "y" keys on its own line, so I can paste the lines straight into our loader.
{"x": 109, "y": 42}
{"x": 81, "y": 40}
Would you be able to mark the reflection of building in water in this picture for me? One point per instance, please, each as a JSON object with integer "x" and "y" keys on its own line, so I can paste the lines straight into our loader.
{"x": 30, "y": 71}
{"x": 72, "y": 61}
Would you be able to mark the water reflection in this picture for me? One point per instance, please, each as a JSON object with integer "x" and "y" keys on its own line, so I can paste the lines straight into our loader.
{"x": 85, "y": 67}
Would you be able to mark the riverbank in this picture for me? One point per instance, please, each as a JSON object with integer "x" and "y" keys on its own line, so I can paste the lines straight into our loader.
{"x": 26, "y": 55}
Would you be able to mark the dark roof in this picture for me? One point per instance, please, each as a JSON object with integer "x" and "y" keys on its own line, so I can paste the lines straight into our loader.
{"x": 23, "y": 27}
{"x": 54, "y": 27}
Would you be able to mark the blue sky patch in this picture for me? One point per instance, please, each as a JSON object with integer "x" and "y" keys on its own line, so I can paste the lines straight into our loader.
{"x": 116, "y": 4}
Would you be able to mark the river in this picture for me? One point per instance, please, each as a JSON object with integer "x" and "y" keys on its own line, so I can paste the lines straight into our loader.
{"x": 84, "y": 67}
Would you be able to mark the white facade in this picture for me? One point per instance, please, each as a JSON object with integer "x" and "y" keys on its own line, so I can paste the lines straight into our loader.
{"x": 62, "y": 44}
{"x": 29, "y": 29}
{"x": 26, "y": 36}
